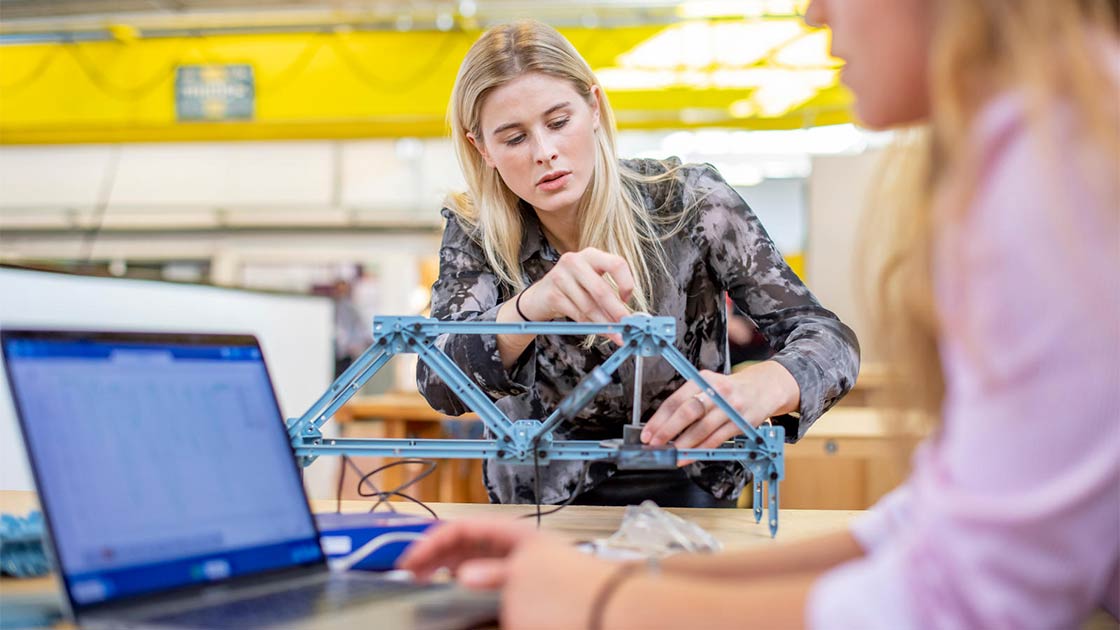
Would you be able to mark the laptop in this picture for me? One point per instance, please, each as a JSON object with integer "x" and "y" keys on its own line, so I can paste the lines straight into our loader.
{"x": 172, "y": 496}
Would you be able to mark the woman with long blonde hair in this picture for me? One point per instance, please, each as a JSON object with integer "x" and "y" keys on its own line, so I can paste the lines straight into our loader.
{"x": 1002, "y": 299}
{"x": 553, "y": 225}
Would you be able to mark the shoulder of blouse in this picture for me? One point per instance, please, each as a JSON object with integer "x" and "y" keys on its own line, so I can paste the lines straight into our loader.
{"x": 459, "y": 236}
{"x": 689, "y": 186}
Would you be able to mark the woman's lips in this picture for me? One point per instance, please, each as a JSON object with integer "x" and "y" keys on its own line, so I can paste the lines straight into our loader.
{"x": 555, "y": 184}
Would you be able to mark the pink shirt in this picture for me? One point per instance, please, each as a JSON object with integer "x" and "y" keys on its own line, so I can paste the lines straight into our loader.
{"x": 1011, "y": 515}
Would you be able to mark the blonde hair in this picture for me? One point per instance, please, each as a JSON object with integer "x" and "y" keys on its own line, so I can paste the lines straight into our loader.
{"x": 612, "y": 215}
{"x": 1047, "y": 50}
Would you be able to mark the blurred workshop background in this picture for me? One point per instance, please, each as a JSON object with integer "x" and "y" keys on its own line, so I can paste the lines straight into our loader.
{"x": 277, "y": 167}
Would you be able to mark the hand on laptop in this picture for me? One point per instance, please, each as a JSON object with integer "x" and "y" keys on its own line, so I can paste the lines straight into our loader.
{"x": 545, "y": 581}
{"x": 476, "y": 552}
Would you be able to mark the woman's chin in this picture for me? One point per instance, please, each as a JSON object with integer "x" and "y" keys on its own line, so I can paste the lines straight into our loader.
{"x": 556, "y": 203}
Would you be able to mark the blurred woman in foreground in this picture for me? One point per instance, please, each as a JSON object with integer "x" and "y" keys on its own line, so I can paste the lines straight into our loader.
{"x": 999, "y": 297}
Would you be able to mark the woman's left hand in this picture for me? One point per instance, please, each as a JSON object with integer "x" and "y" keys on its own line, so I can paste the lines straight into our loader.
{"x": 690, "y": 419}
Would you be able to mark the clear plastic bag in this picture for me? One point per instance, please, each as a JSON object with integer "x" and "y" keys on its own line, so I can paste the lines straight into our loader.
{"x": 647, "y": 531}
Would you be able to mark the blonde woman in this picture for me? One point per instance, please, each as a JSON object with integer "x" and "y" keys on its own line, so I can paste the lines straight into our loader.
{"x": 554, "y": 226}
{"x": 1001, "y": 297}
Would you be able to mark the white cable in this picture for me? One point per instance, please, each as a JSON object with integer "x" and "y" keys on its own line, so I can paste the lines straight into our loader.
{"x": 347, "y": 562}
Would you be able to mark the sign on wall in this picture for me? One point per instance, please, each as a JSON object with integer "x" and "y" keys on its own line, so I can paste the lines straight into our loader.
{"x": 214, "y": 92}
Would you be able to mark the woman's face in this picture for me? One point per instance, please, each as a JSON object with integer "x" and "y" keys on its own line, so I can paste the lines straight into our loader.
{"x": 539, "y": 133}
{"x": 885, "y": 44}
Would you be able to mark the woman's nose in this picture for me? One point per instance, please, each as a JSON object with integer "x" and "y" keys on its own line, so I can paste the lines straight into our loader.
{"x": 546, "y": 152}
{"x": 815, "y": 15}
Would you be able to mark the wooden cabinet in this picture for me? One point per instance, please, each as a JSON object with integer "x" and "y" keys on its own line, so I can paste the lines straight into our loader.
{"x": 850, "y": 458}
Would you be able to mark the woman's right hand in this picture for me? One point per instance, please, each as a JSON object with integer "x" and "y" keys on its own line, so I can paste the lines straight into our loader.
{"x": 578, "y": 288}
{"x": 476, "y": 552}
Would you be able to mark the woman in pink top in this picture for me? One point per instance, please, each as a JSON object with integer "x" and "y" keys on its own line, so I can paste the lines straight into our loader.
{"x": 1000, "y": 299}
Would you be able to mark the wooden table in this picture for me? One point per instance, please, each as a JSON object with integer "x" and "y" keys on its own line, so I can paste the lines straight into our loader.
{"x": 734, "y": 528}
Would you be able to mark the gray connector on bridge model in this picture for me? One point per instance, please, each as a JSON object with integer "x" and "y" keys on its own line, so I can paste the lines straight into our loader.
{"x": 638, "y": 457}
{"x": 632, "y": 435}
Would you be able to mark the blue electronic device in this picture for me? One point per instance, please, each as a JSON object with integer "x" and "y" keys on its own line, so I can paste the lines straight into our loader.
{"x": 530, "y": 441}
{"x": 369, "y": 541}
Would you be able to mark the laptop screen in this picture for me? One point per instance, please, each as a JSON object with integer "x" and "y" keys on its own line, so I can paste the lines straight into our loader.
{"x": 160, "y": 460}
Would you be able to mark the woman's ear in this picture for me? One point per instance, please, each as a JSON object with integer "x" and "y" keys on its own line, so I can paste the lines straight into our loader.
{"x": 596, "y": 105}
{"x": 481, "y": 148}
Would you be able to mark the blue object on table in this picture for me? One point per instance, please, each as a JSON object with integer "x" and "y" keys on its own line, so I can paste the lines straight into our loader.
{"x": 344, "y": 538}
{"x": 30, "y": 610}
{"x": 21, "y": 545}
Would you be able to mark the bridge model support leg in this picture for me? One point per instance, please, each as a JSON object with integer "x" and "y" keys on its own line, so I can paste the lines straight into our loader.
{"x": 757, "y": 503}
{"x": 773, "y": 492}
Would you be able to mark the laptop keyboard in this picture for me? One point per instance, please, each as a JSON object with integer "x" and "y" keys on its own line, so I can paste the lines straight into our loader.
{"x": 286, "y": 606}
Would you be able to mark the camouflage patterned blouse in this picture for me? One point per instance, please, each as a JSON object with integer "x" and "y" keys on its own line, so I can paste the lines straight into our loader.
{"x": 722, "y": 247}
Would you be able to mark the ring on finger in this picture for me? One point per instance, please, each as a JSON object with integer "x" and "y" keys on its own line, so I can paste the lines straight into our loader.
{"x": 703, "y": 406}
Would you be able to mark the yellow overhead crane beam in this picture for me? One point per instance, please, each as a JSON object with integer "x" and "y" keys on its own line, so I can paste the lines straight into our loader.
{"x": 332, "y": 83}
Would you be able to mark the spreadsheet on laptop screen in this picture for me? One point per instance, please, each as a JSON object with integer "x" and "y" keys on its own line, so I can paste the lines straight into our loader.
{"x": 158, "y": 464}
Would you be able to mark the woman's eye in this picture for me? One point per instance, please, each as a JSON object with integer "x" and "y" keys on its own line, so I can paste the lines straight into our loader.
{"x": 516, "y": 140}
{"x": 557, "y": 124}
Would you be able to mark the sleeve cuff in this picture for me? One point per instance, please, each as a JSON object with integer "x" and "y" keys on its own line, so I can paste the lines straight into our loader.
{"x": 810, "y": 380}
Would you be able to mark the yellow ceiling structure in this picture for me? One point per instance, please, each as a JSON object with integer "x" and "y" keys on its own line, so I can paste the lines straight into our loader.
{"x": 341, "y": 82}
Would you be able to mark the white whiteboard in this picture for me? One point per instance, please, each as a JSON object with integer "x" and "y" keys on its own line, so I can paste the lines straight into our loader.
{"x": 295, "y": 334}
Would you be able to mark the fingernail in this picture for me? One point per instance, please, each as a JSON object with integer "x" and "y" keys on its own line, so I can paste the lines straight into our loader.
{"x": 472, "y": 575}
{"x": 645, "y": 436}
{"x": 467, "y": 572}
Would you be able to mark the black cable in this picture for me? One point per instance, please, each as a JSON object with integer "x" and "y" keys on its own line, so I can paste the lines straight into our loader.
{"x": 537, "y": 486}
{"x": 383, "y": 496}
{"x": 578, "y": 491}
{"x": 409, "y": 498}
{"x": 347, "y": 462}
{"x": 537, "y": 478}
{"x": 364, "y": 480}
{"x": 431, "y": 466}
{"x": 338, "y": 488}
{"x": 569, "y": 500}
